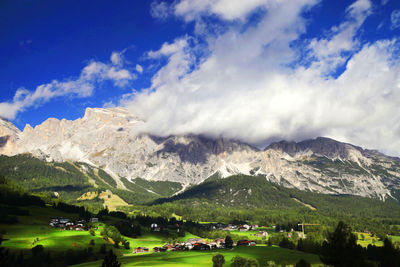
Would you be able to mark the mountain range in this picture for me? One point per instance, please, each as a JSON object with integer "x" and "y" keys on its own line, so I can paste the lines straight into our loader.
{"x": 108, "y": 140}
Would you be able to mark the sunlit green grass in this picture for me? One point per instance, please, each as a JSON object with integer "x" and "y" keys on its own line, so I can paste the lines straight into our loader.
{"x": 367, "y": 240}
{"x": 204, "y": 258}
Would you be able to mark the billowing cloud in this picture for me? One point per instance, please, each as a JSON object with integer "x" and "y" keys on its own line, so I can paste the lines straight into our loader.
{"x": 226, "y": 9}
{"x": 330, "y": 51}
{"x": 83, "y": 86}
{"x": 250, "y": 85}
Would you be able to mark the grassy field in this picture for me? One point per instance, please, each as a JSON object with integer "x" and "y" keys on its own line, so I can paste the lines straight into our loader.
{"x": 249, "y": 234}
{"x": 368, "y": 239}
{"x": 34, "y": 230}
{"x": 203, "y": 258}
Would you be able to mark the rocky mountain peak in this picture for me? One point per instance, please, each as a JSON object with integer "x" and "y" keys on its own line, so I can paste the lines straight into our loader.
{"x": 107, "y": 139}
{"x": 9, "y": 135}
{"x": 320, "y": 146}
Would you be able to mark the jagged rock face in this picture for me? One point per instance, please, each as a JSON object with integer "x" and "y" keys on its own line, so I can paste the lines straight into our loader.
{"x": 9, "y": 135}
{"x": 107, "y": 138}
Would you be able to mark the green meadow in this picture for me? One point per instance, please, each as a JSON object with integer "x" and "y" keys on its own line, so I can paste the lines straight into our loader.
{"x": 34, "y": 230}
{"x": 204, "y": 258}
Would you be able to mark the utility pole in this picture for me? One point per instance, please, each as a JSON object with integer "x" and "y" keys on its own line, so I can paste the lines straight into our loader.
{"x": 302, "y": 226}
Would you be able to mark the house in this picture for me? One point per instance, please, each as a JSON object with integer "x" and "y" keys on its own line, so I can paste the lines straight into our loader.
{"x": 261, "y": 234}
{"x": 243, "y": 229}
{"x": 168, "y": 247}
{"x": 246, "y": 226}
{"x": 140, "y": 250}
{"x": 155, "y": 228}
{"x": 219, "y": 241}
{"x": 231, "y": 227}
{"x": 60, "y": 222}
{"x": 94, "y": 220}
{"x": 63, "y": 220}
{"x": 195, "y": 240}
{"x": 188, "y": 246}
{"x": 246, "y": 243}
{"x": 220, "y": 226}
{"x": 159, "y": 249}
{"x": 201, "y": 246}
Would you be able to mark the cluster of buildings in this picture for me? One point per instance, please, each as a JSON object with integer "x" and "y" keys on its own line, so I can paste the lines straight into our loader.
{"x": 157, "y": 228}
{"x": 194, "y": 244}
{"x": 67, "y": 224}
{"x": 230, "y": 227}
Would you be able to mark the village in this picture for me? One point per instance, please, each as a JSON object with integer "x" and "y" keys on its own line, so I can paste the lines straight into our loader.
{"x": 66, "y": 224}
{"x": 197, "y": 244}
{"x": 217, "y": 243}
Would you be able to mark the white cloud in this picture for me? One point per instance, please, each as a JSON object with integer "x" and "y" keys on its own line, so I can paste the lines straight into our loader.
{"x": 116, "y": 58}
{"x": 246, "y": 88}
{"x": 329, "y": 51}
{"x": 226, "y": 9}
{"x": 395, "y": 19}
{"x": 139, "y": 68}
{"x": 83, "y": 86}
{"x": 160, "y": 10}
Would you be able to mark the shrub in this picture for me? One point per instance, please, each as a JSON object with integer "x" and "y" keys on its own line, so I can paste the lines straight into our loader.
{"x": 218, "y": 260}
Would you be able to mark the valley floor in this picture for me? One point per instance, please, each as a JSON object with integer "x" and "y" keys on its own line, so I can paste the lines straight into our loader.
{"x": 204, "y": 258}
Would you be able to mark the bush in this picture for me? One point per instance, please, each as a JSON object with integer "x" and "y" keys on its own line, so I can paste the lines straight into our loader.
{"x": 243, "y": 262}
{"x": 110, "y": 260}
{"x": 303, "y": 263}
{"x": 218, "y": 260}
{"x": 92, "y": 232}
{"x": 103, "y": 249}
{"x": 38, "y": 249}
{"x": 286, "y": 243}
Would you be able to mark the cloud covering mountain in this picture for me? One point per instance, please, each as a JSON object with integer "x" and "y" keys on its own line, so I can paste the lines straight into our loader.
{"x": 257, "y": 79}
{"x": 256, "y": 70}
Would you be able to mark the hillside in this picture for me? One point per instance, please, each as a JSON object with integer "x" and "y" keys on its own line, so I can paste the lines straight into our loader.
{"x": 79, "y": 183}
{"x": 256, "y": 199}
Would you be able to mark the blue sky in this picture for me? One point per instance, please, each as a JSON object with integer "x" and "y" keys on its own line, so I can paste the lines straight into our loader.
{"x": 257, "y": 70}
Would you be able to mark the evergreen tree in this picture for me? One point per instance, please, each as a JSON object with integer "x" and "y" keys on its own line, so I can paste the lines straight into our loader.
{"x": 228, "y": 242}
{"x": 341, "y": 249}
{"x": 110, "y": 260}
{"x": 390, "y": 256}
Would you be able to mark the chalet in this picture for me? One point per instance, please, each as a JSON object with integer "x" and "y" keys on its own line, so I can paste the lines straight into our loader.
{"x": 219, "y": 241}
{"x": 220, "y": 226}
{"x": 168, "y": 247}
{"x": 155, "y": 228}
{"x": 195, "y": 240}
{"x": 159, "y": 249}
{"x": 174, "y": 227}
{"x": 243, "y": 229}
{"x": 231, "y": 227}
{"x": 254, "y": 226}
{"x": 201, "y": 246}
{"x": 140, "y": 250}
{"x": 60, "y": 222}
{"x": 246, "y": 243}
{"x": 261, "y": 233}
{"x": 213, "y": 245}
{"x": 94, "y": 220}
{"x": 188, "y": 246}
